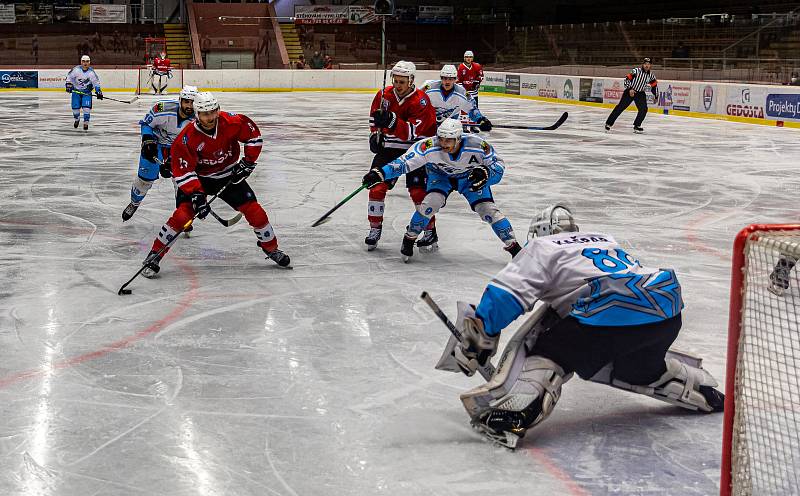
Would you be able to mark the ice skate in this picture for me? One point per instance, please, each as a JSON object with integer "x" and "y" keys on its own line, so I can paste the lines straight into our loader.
{"x": 407, "y": 249}
{"x": 779, "y": 279}
{"x": 151, "y": 265}
{"x": 372, "y": 238}
{"x": 278, "y": 257}
{"x": 76, "y": 123}
{"x": 500, "y": 427}
{"x": 85, "y": 126}
{"x": 129, "y": 211}
{"x": 638, "y": 129}
{"x": 428, "y": 242}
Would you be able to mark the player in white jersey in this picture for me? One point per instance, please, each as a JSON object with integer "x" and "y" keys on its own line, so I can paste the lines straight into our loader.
{"x": 160, "y": 127}
{"x": 451, "y": 100}
{"x": 600, "y": 314}
{"x": 81, "y": 80}
{"x": 466, "y": 164}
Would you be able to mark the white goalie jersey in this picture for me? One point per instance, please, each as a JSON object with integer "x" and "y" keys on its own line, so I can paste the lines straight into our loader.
{"x": 587, "y": 276}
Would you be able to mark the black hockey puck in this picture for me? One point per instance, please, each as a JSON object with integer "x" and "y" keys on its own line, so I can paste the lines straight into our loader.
{"x": 125, "y": 291}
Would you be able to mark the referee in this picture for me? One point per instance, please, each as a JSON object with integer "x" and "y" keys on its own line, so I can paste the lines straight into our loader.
{"x": 635, "y": 83}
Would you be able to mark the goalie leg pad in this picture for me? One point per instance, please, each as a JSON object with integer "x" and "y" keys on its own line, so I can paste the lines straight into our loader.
{"x": 685, "y": 384}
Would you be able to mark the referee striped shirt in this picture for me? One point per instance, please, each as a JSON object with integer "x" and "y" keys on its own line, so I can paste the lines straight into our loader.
{"x": 639, "y": 79}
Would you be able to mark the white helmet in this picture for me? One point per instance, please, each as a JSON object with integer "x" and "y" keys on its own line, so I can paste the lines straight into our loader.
{"x": 469, "y": 53}
{"x": 86, "y": 58}
{"x": 554, "y": 219}
{"x": 205, "y": 102}
{"x": 189, "y": 93}
{"x": 448, "y": 71}
{"x": 404, "y": 68}
{"x": 450, "y": 128}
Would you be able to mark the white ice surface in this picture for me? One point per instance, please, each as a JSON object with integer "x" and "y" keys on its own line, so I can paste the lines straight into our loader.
{"x": 229, "y": 376}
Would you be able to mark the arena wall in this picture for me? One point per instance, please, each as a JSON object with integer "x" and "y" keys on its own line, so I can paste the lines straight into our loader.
{"x": 758, "y": 104}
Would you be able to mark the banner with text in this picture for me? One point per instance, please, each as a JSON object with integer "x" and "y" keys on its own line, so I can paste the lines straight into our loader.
{"x": 19, "y": 79}
{"x": 7, "y": 14}
{"x": 110, "y": 14}
{"x": 321, "y": 14}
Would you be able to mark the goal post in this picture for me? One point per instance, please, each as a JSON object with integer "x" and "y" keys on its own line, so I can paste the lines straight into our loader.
{"x": 761, "y": 428}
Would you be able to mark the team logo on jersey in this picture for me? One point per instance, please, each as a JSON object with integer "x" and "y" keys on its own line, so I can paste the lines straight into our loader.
{"x": 158, "y": 107}
{"x": 423, "y": 101}
{"x": 426, "y": 144}
{"x": 486, "y": 147}
{"x": 185, "y": 139}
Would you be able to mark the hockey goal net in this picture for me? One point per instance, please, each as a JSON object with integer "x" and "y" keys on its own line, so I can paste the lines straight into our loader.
{"x": 761, "y": 432}
{"x": 150, "y": 83}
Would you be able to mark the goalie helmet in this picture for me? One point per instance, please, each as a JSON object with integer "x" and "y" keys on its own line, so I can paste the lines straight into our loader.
{"x": 448, "y": 71}
{"x": 188, "y": 93}
{"x": 205, "y": 102}
{"x": 554, "y": 219}
{"x": 450, "y": 128}
{"x": 404, "y": 68}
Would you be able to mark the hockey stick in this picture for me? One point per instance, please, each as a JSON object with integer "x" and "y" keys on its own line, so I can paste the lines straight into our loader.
{"x": 551, "y": 127}
{"x": 106, "y": 97}
{"x": 225, "y": 222}
{"x": 122, "y": 290}
{"x": 325, "y": 218}
{"x": 487, "y": 369}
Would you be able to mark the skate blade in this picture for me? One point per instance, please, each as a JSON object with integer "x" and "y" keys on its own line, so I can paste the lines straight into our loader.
{"x": 371, "y": 247}
{"x": 405, "y": 258}
{"x": 428, "y": 249}
{"x": 507, "y": 440}
{"x": 776, "y": 290}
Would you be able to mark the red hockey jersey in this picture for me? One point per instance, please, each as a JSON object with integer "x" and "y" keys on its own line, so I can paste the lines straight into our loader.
{"x": 416, "y": 117}
{"x": 197, "y": 154}
{"x": 470, "y": 77}
{"x": 162, "y": 66}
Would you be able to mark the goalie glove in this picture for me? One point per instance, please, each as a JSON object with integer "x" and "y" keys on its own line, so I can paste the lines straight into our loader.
{"x": 475, "y": 347}
{"x": 478, "y": 177}
{"x": 372, "y": 178}
{"x": 242, "y": 170}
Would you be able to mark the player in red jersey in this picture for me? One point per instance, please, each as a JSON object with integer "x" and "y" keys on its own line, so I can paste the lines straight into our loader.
{"x": 399, "y": 117}
{"x": 160, "y": 73}
{"x": 205, "y": 157}
{"x": 470, "y": 75}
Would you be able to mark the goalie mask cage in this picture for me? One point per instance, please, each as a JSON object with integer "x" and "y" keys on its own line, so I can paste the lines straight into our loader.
{"x": 761, "y": 438}
{"x": 145, "y": 77}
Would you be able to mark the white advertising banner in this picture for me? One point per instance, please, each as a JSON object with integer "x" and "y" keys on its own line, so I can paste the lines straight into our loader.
{"x": 7, "y": 15}
{"x": 101, "y": 13}
{"x": 746, "y": 101}
{"x": 529, "y": 85}
{"x": 548, "y": 86}
{"x": 321, "y": 14}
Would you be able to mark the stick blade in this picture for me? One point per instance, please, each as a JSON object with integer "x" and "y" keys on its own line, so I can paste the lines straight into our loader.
{"x": 558, "y": 123}
{"x": 233, "y": 220}
{"x": 320, "y": 221}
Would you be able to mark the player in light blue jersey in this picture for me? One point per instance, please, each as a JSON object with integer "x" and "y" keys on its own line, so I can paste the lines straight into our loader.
{"x": 160, "y": 127}
{"x": 81, "y": 80}
{"x": 596, "y": 311}
{"x": 451, "y": 100}
{"x": 454, "y": 162}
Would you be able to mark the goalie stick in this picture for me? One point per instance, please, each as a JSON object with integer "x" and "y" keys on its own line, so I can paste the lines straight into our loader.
{"x": 487, "y": 369}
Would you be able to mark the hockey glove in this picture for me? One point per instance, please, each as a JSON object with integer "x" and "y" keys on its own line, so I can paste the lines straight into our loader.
{"x": 98, "y": 94}
{"x": 375, "y": 143}
{"x": 165, "y": 167}
{"x": 200, "y": 205}
{"x": 485, "y": 124}
{"x": 149, "y": 148}
{"x": 478, "y": 177}
{"x": 88, "y": 89}
{"x": 476, "y": 347}
{"x": 70, "y": 87}
{"x": 241, "y": 170}
{"x": 372, "y": 178}
{"x": 384, "y": 119}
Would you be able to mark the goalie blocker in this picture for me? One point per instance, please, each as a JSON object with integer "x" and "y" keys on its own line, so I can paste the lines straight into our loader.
{"x": 575, "y": 327}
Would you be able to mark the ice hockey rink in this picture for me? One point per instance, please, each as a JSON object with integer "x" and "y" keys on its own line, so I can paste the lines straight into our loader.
{"x": 230, "y": 376}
